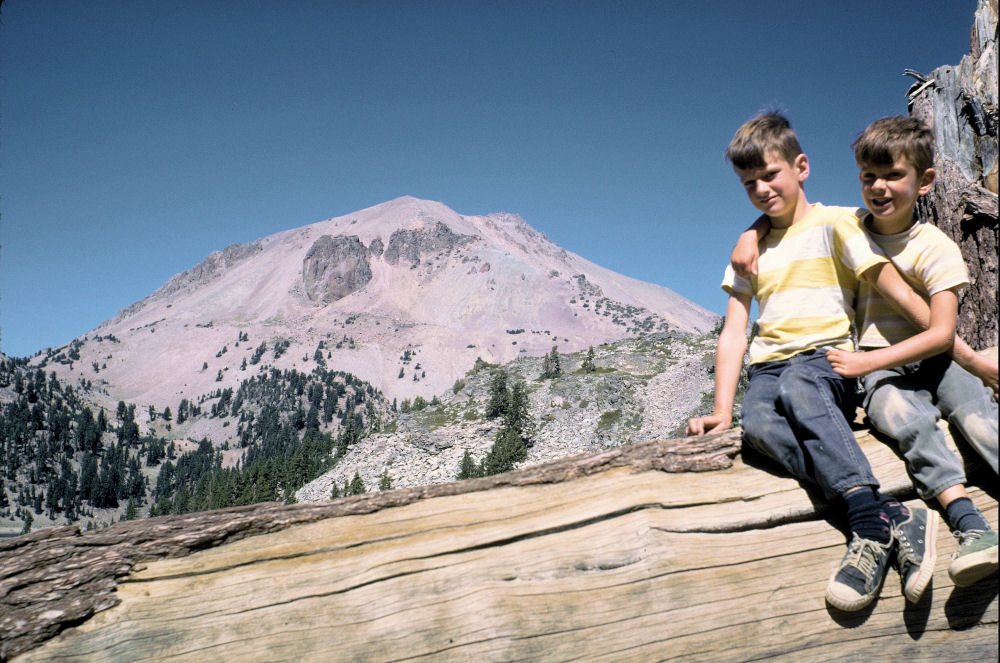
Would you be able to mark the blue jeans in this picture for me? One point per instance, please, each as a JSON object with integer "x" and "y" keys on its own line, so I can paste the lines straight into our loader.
{"x": 906, "y": 403}
{"x": 794, "y": 412}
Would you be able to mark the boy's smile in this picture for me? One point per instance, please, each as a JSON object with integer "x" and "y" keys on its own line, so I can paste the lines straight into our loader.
{"x": 776, "y": 189}
{"x": 890, "y": 192}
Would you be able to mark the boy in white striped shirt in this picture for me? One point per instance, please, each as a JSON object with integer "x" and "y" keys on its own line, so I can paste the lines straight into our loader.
{"x": 909, "y": 384}
{"x": 811, "y": 262}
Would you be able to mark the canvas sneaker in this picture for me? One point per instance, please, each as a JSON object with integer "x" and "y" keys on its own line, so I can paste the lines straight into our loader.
{"x": 858, "y": 579}
{"x": 915, "y": 551}
{"x": 976, "y": 557}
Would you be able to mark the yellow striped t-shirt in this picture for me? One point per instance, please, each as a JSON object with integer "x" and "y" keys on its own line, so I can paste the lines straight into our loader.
{"x": 929, "y": 261}
{"x": 807, "y": 280}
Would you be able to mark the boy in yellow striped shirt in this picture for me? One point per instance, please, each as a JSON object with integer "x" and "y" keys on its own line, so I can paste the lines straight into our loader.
{"x": 795, "y": 408}
{"x": 909, "y": 384}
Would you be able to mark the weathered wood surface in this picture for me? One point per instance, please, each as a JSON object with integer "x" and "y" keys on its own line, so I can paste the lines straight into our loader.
{"x": 56, "y": 577}
{"x": 599, "y": 557}
{"x": 960, "y": 104}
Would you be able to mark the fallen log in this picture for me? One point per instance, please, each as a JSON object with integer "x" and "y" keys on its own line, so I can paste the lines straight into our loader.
{"x": 607, "y": 556}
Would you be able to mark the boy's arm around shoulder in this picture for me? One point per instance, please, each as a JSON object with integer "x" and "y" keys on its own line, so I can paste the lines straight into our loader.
{"x": 747, "y": 249}
{"x": 728, "y": 366}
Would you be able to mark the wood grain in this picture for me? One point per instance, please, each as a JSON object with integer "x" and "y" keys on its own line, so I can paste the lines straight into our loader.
{"x": 598, "y": 558}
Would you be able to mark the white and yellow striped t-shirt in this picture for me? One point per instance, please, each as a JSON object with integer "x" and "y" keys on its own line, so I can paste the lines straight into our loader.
{"x": 806, "y": 283}
{"x": 929, "y": 261}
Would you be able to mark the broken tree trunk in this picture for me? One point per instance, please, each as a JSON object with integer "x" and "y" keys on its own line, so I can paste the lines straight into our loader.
{"x": 960, "y": 104}
{"x": 608, "y": 556}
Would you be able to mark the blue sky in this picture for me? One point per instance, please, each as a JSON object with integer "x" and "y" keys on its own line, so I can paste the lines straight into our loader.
{"x": 137, "y": 137}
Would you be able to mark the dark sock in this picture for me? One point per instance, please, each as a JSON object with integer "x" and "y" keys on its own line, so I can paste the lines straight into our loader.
{"x": 865, "y": 515}
{"x": 963, "y": 516}
{"x": 897, "y": 513}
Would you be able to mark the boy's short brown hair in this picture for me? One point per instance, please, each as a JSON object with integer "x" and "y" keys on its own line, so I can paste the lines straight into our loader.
{"x": 767, "y": 132}
{"x": 890, "y": 137}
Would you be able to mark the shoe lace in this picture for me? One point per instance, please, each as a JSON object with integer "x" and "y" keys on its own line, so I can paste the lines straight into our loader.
{"x": 965, "y": 538}
{"x": 863, "y": 554}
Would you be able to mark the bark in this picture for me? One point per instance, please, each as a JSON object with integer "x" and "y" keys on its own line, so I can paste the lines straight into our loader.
{"x": 960, "y": 104}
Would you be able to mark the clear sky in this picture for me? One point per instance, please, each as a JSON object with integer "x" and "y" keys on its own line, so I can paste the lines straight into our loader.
{"x": 136, "y": 137}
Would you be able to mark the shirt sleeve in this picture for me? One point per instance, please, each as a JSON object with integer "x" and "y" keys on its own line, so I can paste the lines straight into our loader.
{"x": 942, "y": 266}
{"x": 735, "y": 284}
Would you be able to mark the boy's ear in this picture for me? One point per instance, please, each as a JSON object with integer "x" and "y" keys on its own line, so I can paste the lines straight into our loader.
{"x": 926, "y": 182}
{"x": 801, "y": 166}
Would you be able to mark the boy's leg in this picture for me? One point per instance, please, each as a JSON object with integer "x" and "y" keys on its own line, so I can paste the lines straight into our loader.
{"x": 814, "y": 398}
{"x": 969, "y": 406}
{"x": 810, "y": 398}
{"x": 765, "y": 428}
{"x": 768, "y": 427}
{"x": 900, "y": 404}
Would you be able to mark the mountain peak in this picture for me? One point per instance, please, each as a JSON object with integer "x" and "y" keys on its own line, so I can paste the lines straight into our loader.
{"x": 406, "y": 295}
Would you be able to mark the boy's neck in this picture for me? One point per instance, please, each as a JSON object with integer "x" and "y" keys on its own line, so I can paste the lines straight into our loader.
{"x": 892, "y": 226}
{"x": 797, "y": 213}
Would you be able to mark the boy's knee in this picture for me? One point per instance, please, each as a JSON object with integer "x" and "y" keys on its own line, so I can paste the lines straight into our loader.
{"x": 753, "y": 425}
{"x": 976, "y": 421}
{"x": 895, "y": 414}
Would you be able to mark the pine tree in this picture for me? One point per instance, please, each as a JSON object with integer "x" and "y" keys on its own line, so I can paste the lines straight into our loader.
{"x": 499, "y": 395}
{"x": 468, "y": 468}
{"x": 507, "y": 450}
{"x": 88, "y": 476}
{"x": 517, "y": 417}
{"x": 588, "y": 362}
{"x": 357, "y": 486}
{"x": 385, "y": 481}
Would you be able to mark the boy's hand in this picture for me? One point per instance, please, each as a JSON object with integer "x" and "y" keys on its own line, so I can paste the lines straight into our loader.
{"x": 745, "y": 255}
{"x": 708, "y": 424}
{"x": 848, "y": 364}
{"x": 984, "y": 367}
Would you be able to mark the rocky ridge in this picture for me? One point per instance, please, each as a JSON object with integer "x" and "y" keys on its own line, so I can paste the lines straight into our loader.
{"x": 641, "y": 390}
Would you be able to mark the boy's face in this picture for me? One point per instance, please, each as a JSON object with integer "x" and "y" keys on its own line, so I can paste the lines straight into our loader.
{"x": 891, "y": 190}
{"x": 775, "y": 189}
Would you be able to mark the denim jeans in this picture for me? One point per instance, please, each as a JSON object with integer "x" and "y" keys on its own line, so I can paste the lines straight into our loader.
{"x": 906, "y": 403}
{"x": 794, "y": 412}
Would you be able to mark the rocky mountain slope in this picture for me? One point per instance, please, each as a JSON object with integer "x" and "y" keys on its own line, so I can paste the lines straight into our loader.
{"x": 639, "y": 390}
{"x": 405, "y": 295}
